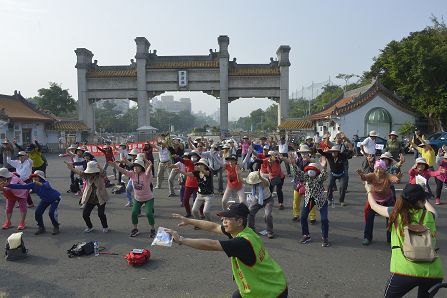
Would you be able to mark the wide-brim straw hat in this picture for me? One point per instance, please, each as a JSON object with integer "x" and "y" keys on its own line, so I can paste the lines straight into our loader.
{"x": 373, "y": 133}
{"x": 393, "y": 133}
{"x": 139, "y": 162}
{"x": 133, "y": 152}
{"x": 5, "y": 173}
{"x": 5, "y": 141}
{"x": 386, "y": 155}
{"x": 204, "y": 162}
{"x": 304, "y": 149}
{"x": 309, "y": 138}
{"x": 231, "y": 157}
{"x": 253, "y": 178}
{"x": 334, "y": 148}
{"x": 39, "y": 174}
{"x": 420, "y": 160}
{"x": 92, "y": 167}
{"x": 80, "y": 148}
{"x": 21, "y": 153}
{"x": 225, "y": 146}
{"x": 423, "y": 143}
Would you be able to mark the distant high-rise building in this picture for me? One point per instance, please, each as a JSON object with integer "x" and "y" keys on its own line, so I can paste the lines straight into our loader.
{"x": 216, "y": 115}
{"x": 168, "y": 103}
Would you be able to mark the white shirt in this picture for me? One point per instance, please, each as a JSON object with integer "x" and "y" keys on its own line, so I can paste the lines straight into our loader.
{"x": 283, "y": 148}
{"x": 214, "y": 159}
{"x": 164, "y": 154}
{"x": 369, "y": 146}
{"x": 24, "y": 170}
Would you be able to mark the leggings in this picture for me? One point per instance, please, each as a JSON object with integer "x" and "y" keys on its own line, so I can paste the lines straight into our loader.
{"x": 188, "y": 192}
{"x": 101, "y": 214}
{"x": 149, "y": 205}
{"x": 11, "y": 202}
{"x": 278, "y": 190}
{"x": 439, "y": 184}
{"x": 399, "y": 285}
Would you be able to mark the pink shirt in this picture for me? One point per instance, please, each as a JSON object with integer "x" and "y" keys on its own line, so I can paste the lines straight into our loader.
{"x": 141, "y": 185}
{"x": 245, "y": 145}
{"x": 21, "y": 193}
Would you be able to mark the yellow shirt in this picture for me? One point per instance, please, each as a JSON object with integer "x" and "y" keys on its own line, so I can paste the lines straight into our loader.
{"x": 429, "y": 155}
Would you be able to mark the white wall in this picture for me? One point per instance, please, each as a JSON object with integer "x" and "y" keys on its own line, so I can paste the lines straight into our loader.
{"x": 354, "y": 122}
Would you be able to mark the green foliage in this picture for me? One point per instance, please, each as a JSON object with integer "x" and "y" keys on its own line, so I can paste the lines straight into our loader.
{"x": 55, "y": 99}
{"x": 330, "y": 92}
{"x": 416, "y": 68}
{"x": 407, "y": 129}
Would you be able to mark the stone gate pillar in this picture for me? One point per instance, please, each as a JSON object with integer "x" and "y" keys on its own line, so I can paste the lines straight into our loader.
{"x": 85, "y": 107}
{"x": 224, "y": 56}
{"x": 283, "y": 59}
{"x": 143, "y": 101}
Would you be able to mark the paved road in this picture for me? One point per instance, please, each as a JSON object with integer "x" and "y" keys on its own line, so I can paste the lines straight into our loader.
{"x": 346, "y": 269}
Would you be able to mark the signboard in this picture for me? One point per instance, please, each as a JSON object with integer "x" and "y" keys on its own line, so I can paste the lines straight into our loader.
{"x": 182, "y": 78}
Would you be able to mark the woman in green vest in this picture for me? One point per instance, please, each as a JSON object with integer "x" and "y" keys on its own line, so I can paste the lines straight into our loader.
{"x": 256, "y": 274}
{"x": 407, "y": 274}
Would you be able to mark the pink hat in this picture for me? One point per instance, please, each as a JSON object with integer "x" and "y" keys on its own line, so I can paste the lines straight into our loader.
{"x": 380, "y": 164}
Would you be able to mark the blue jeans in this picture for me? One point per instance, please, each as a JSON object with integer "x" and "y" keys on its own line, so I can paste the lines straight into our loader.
{"x": 53, "y": 212}
{"x": 129, "y": 190}
{"x": 324, "y": 220}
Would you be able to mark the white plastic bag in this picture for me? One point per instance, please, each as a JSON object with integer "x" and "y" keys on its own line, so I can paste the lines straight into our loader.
{"x": 162, "y": 238}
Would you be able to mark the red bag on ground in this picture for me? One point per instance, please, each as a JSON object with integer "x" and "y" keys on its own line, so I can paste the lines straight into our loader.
{"x": 138, "y": 256}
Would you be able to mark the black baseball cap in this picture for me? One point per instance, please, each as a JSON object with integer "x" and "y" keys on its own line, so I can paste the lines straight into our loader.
{"x": 235, "y": 210}
{"x": 413, "y": 193}
{"x": 233, "y": 157}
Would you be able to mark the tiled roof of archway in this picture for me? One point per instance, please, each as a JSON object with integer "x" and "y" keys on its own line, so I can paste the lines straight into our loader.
{"x": 183, "y": 64}
{"x": 68, "y": 125}
{"x": 115, "y": 72}
{"x": 253, "y": 70}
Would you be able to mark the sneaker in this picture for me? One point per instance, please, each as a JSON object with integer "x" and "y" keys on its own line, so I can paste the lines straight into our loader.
{"x": 105, "y": 230}
{"x": 295, "y": 218}
{"x": 342, "y": 204}
{"x": 313, "y": 221}
{"x": 306, "y": 239}
{"x": 270, "y": 235}
{"x": 41, "y": 230}
{"x": 81, "y": 206}
{"x": 172, "y": 195}
{"x": 281, "y": 207}
{"x": 134, "y": 233}
{"x": 55, "y": 231}
{"x": 128, "y": 204}
{"x": 6, "y": 225}
{"x": 152, "y": 234}
{"x": 21, "y": 226}
{"x": 437, "y": 201}
{"x": 332, "y": 203}
{"x": 196, "y": 228}
{"x": 157, "y": 187}
{"x": 88, "y": 230}
{"x": 366, "y": 242}
{"x": 325, "y": 243}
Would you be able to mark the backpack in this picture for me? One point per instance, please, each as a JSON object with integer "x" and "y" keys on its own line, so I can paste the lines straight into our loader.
{"x": 418, "y": 246}
{"x": 18, "y": 252}
{"x": 81, "y": 249}
{"x": 138, "y": 256}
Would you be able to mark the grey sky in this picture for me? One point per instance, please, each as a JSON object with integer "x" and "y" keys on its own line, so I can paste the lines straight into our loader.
{"x": 38, "y": 37}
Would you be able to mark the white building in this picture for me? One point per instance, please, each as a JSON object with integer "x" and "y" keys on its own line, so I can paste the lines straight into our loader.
{"x": 371, "y": 107}
{"x": 168, "y": 103}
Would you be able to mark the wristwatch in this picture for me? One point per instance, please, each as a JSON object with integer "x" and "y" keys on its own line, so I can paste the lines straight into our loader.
{"x": 180, "y": 240}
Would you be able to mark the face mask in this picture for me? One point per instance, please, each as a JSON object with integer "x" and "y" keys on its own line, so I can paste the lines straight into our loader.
{"x": 312, "y": 173}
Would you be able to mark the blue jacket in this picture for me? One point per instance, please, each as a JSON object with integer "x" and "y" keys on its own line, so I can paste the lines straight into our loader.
{"x": 45, "y": 192}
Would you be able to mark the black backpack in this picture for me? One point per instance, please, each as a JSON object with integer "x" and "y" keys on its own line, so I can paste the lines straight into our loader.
{"x": 81, "y": 249}
{"x": 17, "y": 253}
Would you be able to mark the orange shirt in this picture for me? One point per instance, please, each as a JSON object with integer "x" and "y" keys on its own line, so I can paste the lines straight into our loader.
{"x": 232, "y": 177}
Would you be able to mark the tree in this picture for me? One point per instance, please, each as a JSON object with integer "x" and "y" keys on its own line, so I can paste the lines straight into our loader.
{"x": 55, "y": 99}
{"x": 416, "y": 68}
{"x": 345, "y": 77}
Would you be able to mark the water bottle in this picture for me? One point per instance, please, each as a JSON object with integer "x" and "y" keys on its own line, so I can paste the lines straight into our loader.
{"x": 96, "y": 248}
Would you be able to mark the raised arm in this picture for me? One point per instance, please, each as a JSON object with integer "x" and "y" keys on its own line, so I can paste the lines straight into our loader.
{"x": 202, "y": 224}
{"x": 72, "y": 168}
{"x": 381, "y": 210}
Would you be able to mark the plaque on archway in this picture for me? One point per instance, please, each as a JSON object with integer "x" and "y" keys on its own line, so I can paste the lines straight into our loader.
{"x": 152, "y": 74}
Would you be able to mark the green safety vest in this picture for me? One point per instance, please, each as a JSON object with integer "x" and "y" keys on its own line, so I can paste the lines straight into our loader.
{"x": 265, "y": 278}
{"x": 400, "y": 265}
